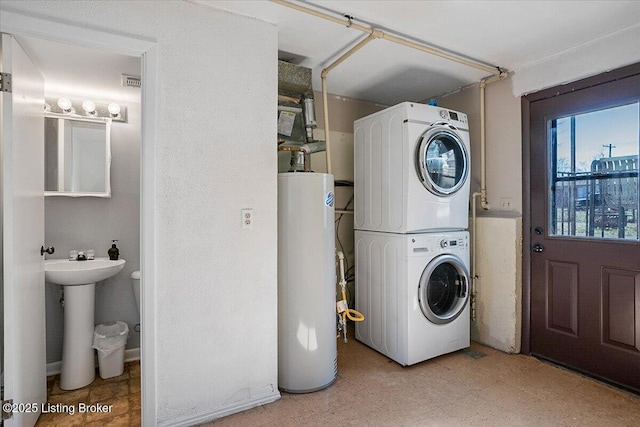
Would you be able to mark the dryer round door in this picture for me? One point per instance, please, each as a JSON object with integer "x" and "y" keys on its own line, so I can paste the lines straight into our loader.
{"x": 444, "y": 289}
{"x": 442, "y": 159}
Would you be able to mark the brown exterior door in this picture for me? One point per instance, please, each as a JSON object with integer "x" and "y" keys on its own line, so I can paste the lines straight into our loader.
{"x": 584, "y": 246}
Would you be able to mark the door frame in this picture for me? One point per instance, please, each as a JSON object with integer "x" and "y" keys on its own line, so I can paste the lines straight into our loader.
{"x": 526, "y": 100}
{"x": 19, "y": 24}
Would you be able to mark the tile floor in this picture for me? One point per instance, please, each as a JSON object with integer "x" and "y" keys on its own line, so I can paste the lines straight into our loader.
{"x": 121, "y": 393}
{"x": 459, "y": 389}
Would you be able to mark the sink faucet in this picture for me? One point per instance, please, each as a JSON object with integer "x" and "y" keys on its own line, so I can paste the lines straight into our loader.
{"x": 82, "y": 255}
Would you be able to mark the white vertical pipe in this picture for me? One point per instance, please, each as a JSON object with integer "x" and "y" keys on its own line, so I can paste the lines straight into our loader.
{"x": 325, "y": 110}
{"x": 474, "y": 274}
{"x": 483, "y": 149}
{"x": 483, "y": 139}
{"x": 483, "y": 189}
{"x": 323, "y": 76}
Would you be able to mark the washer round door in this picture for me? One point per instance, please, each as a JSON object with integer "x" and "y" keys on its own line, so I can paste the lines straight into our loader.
{"x": 442, "y": 160}
{"x": 444, "y": 289}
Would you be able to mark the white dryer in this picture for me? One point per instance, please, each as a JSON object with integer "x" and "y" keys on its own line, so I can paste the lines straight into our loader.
{"x": 413, "y": 290}
{"x": 412, "y": 169}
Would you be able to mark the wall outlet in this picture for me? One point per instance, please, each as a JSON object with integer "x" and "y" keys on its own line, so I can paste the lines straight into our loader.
{"x": 506, "y": 204}
{"x": 247, "y": 218}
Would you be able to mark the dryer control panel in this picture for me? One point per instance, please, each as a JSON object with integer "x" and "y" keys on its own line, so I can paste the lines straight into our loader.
{"x": 453, "y": 116}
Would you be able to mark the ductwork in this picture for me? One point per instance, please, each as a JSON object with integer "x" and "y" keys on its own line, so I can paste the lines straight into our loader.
{"x": 296, "y": 115}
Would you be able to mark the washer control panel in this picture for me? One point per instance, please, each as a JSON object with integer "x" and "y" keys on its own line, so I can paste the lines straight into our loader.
{"x": 453, "y": 242}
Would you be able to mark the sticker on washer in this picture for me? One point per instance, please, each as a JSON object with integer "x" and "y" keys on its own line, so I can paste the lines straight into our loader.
{"x": 329, "y": 200}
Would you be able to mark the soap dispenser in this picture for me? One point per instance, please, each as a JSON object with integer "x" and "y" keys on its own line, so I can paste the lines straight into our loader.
{"x": 114, "y": 252}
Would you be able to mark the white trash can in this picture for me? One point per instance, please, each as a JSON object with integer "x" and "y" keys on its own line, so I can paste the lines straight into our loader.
{"x": 110, "y": 339}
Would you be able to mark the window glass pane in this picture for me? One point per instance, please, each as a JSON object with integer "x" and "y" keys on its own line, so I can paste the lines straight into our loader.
{"x": 593, "y": 166}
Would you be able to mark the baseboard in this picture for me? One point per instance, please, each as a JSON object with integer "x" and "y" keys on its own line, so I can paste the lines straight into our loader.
{"x": 130, "y": 354}
{"x": 54, "y": 368}
{"x": 228, "y": 410}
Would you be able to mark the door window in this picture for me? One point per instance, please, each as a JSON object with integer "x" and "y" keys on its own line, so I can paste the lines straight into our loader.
{"x": 593, "y": 159}
{"x": 442, "y": 161}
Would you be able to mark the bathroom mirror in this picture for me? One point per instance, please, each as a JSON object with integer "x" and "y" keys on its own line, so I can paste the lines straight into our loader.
{"x": 77, "y": 156}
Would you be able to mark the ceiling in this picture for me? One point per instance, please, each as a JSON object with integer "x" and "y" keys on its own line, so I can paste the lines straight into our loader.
{"x": 512, "y": 35}
{"x": 82, "y": 73}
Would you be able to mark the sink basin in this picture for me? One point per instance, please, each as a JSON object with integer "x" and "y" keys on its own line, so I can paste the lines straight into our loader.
{"x": 65, "y": 272}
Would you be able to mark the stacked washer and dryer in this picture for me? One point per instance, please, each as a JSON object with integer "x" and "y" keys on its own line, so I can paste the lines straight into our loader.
{"x": 412, "y": 169}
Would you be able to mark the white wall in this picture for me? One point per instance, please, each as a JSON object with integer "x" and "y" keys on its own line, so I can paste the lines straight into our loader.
{"x": 215, "y": 284}
{"x": 612, "y": 51}
{"x": 503, "y": 141}
{"x": 83, "y": 223}
{"x": 499, "y": 291}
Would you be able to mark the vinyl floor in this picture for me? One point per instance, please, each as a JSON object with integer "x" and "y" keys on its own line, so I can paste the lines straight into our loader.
{"x": 475, "y": 387}
{"x": 479, "y": 386}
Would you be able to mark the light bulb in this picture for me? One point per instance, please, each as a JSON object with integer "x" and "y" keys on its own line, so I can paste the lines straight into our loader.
{"x": 64, "y": 104}
{"x": 89, "y": 107}
{"x": 114, "y": 109}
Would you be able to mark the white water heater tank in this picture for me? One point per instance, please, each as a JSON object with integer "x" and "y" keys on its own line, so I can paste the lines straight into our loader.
{"x": 307, "y": 347}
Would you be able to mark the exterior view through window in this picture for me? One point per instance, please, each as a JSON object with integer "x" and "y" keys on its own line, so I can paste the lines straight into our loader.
{"x": 594, "y": 174}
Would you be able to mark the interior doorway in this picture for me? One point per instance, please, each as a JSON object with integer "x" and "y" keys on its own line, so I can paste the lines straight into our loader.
{"x": 77, "y": 73}
{"x": 582, "y": 244}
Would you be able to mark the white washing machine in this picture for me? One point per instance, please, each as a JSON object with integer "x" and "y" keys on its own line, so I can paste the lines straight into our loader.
{"x": 413, "y": 290}
{"x": 412, "y": 170}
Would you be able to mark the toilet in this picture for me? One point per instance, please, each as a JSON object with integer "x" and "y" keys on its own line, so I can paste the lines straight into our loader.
{"x": 135, "y": 282}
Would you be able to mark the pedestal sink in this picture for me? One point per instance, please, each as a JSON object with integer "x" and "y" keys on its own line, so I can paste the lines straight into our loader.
{"x": 79, "y": 279}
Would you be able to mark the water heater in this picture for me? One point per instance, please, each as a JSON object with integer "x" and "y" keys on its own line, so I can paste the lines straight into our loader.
{"x": 307, "y": 348}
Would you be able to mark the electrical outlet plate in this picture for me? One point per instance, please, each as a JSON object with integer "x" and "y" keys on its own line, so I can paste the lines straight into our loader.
{"x": 506, "y": 204}
{"x": 247, "y": 218}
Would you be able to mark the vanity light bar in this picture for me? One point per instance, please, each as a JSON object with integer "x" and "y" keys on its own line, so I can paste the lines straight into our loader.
{"x": 87, "y": 109}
